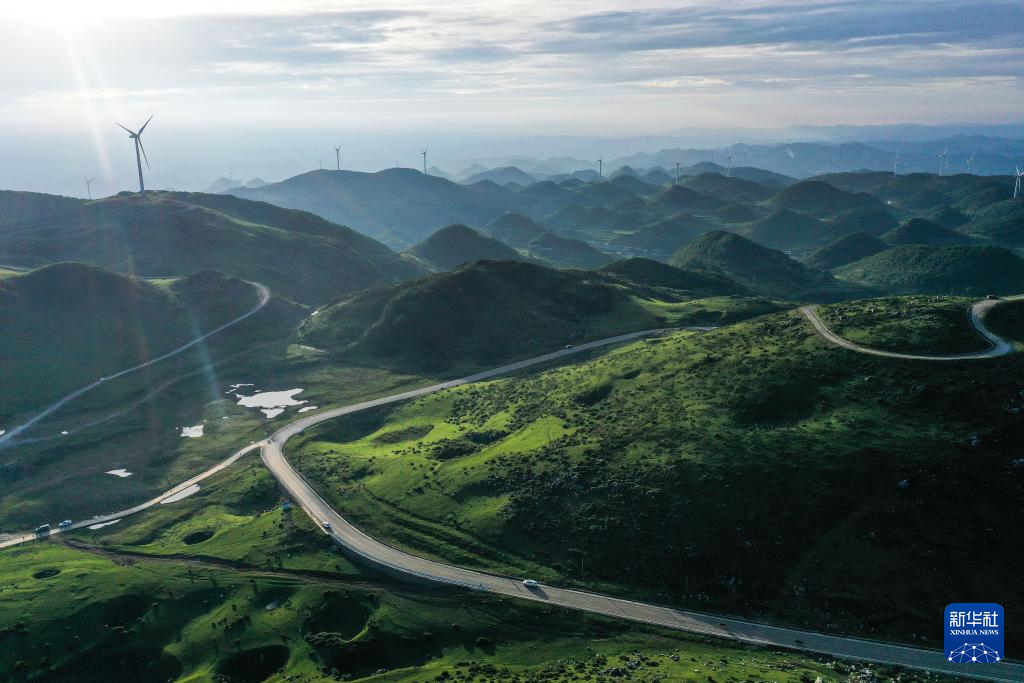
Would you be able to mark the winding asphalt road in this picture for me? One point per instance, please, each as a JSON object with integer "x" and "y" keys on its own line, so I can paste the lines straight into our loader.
{"x": 997, "y": 345}
{"x": 6, "y": 440}
{"x": 396, "y": 561}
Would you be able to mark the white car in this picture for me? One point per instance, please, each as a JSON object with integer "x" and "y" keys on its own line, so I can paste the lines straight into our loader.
{"x": 530, "y": 583}
{"x": 326, "y": 525}
{"x": 65, "y": 524}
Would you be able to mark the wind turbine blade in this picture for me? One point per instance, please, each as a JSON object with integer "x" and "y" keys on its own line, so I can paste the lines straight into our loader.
{"x": 139, "y": 140}
{"x": 145, "y": 124}
{"x": 130, "y": 131}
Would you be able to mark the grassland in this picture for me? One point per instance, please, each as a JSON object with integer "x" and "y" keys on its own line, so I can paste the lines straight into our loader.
{"x": 742, "y": 470}
{"x": 1007, "y": 320}
{"x": 911, "y": 324}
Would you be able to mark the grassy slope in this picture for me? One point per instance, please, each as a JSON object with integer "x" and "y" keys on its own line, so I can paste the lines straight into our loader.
{"x": 296, "y": 254}
{"x": 641, "y": 457}
{"x": 939, "y": 270}
{"x": 69, "y": 324}
{"x": 912, "y": 324}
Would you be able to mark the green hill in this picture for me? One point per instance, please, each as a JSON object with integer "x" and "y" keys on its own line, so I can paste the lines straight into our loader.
{"x": 602, "y": 194}
{"x": 1003, "y": 222}
{"x": 738, "y": 212}
{"x": 296, "y": 254}
{"x": 752, "y": 265}
{"x": 821, "y": 198}
{"x": 939, "y": 270}
{"x": 922, "y": 231}
{"x": 679, "y": 199}
{"x": 730, "y": 189}
{"x": 872, "y": 221}
{"x": 399, "y": 206}
{"x": 635, "y": 186}
{"x": 663, "y": 238}
{"x": 479, "y": 315}
{"x": 744, "y": 470}
{"x": 785, "y": 229}
{"x": 696, "y": 283}
{"x": 450, "y": 247}
{"x": 566, "y": 252}
{"x": 846, "y": 249}
{"x": 514, "y": 229}
{"x": 69, "y": 324}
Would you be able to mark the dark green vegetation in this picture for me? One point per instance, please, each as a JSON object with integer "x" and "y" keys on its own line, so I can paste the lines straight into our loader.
{"x": 697, "y": 283}
{"x": 1007, "y": 320}
{"x": 67, "y": 325}
{"x": 925, "y": 232}
{"x": 533, "y": 240}
{"x": 450, "y": 247}
{"x": 752, "y": 265}
{"x": 939, "y": 270}
{"x": 105, "y": 619}
{"x": 296, "y": 254}
{"x": 914, "y": 324}
{"x": 743, "y": 470}
{"x": 488, "y": 313}
{"x": 846, "y": 249}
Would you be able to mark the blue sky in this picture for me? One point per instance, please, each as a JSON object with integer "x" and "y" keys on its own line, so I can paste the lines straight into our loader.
{"x": 266, "y": 87}
{"x": 556, "y": 66}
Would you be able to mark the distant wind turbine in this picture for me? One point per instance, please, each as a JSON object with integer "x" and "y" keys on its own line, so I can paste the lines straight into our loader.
{"x": 744, "y": 153}
{"x": 137, "y": 138}
{"x": 88, "y": 186}
{"x": 728, "y": 171}
{"x": 1016, "y": 185}
{"x": 895, "y": 163}
{"x": 677, "y": 173}
{"x": 337, "y": 156}
{"x": 600, "y": 167}
{"x": 839, "y": 159}
{"x": 942, "y": 160}
{"x": 969, "y": 162}
{"x": 424, "y": 153}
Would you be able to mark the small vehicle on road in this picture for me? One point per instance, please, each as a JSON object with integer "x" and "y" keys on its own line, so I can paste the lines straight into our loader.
{"x": 65, "y": 524}
{"x": 530, "y": 583}
{"x": 568, "y": 346}
{"x": 326, "y": 525}
{"x": 42, "y": 529}
{"x": 991, "y": 297}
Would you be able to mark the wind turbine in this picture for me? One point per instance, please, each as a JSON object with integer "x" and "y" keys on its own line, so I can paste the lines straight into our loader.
{"x": 337, "y": 156}
{"x": 677, "y": 173}
{"x": 137, "y": 138}
{"x": 728, "y": 170}
{"x": 942, "y": 160}
{"x": 969, "y": 162}
{"x": 1016, "y": 185}
{"x": 600, "y": 167}
{"x": 895, "y": 163}
{"x": 424, "y": 153}
{"x": 88, "y": 185}
{"x": 839, "y": 159}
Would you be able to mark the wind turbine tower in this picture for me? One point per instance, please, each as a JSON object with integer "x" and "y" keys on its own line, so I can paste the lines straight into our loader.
{"x": 424, "y": 153}
{"x": 677, "y": 173}
{"x": 969, "y": 162}
{"x": 88, "y": 186}
{"x": 136, "y": 137}
{"x": 1016, "y": 185}
{"x": 895, "y": 163}
{"x": 942, "y": 160}
{"x": 337, "y": 156}
{"x": 839, "y": 159}
{"x": 728, "y": 170}
{"x": 600, "y": 167}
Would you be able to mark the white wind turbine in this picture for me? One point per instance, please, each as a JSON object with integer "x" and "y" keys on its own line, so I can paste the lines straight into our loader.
{"x": 1016, "y": 185}
{"x": 728, "y": 170}
{"x": 137, "y": 138}
{"x": 677, "y": 173}
{"x": 337, "y": 156}
{"x": 600, "y": 167}
{"x": 88, "y": 186}
{"x": 969, "y": 162}
{"x": 942, "y": 160}
{"x": 424, "y": 153}
{"x": 895, "y": 163}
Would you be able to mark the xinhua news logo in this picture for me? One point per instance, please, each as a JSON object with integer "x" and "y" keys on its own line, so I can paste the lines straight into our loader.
{"x": 974, "y": 633}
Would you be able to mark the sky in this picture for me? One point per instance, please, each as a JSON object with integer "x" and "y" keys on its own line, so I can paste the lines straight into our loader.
{"x": 548, "y": 67}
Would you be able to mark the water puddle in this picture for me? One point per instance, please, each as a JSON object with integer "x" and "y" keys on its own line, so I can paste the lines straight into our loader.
{"x": 271, "y": 403}
{"x": 192, "y": 432}
{"x": 103, "y": 524}
{"x": 180, "y": 495}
